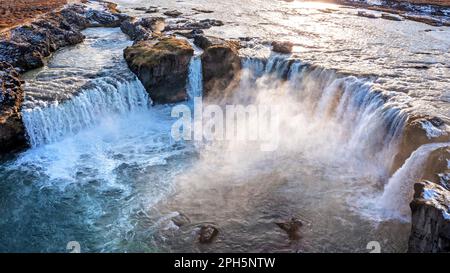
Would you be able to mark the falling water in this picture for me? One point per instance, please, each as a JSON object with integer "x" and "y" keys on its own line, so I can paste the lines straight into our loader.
{"x": 194, "y": 84}
{"x": 107, "y": 96}
{"x": 366, "y": 125}
{"x": 399, "y": 192}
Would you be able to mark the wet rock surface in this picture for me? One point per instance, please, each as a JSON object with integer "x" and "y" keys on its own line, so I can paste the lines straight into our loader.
{"x": 207, "y": 233}
{"x": 181, "y": 220}
{"x": 12, "y": 132}
{"x": 292, "y": 228}
{"x": 430, "y": 208}
{"x": 282, "y": 46}
{"x": 26, "y": 47}
{"x": 162, "y": 67}
{"x": 221, "y": 65}
{"x": 419, "y": 130}
{"x": 142, "y": 29}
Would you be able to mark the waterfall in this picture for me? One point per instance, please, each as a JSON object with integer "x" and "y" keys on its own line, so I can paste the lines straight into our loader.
{"x": 346, "y": 110}
{"x": 107, "y": 96}
{"x": 399, "y": 190}
{"x": 194, "y": 85}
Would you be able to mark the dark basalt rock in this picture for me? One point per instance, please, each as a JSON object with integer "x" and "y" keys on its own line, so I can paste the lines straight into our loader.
{"x": 292, "y": 228}
{"x": 12, "y": 131}
{"x": 207, "y": 234}
{"x": 27, "y": 46}
{"x": 162, "y": 67}
{"x": 172, "y": 13}
{"x": 430, "y": 222}
{"x": 284, "y": 47}
{"x": 190, "y": 24}
{"x": 142, "y": 29}
{"x": 221, "y": 66}
{"x": 391, "y": 17}
{"x": 366, "y": 14}
{"x": 181, "y": 220}
{"x": 415, "y": 134}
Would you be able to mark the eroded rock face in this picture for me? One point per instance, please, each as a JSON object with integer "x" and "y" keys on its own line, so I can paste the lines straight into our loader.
{"x": 162, "y": 67}
{"x": 12, "y": 132}
{"x": 207, "y": 234}
{"x": 292, "y": 227}
{"x": 221, "y": 66}
{"x": 419, "y": 130}
{"x": 284, "y": 47}
{"x": 142, "y": 29}
{"x": 437, "y": 167}
{"x": 430, "y": 231}
{"x": 26, "y": 47}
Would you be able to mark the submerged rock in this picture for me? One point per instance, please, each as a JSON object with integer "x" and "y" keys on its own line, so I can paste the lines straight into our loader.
{"x": 292, "y": 227}
{"x": 207, "y": 234}
{"x": 284, "y": 47}
{"x": 162, "y": 67}
{"x": 180, "y": 220}
{"x": 12, "y": 131}
{"x": 430, "y": 227}
{"x": 221, "y": 65}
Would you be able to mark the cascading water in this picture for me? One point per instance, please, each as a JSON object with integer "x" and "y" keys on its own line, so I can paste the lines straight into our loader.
{"x": 360, "y": 120}
{"x": 103, "y": 161}
{"x": 398, "y": 192}
{"x": 194, "y": 85}
{"x": 52, "y": 123}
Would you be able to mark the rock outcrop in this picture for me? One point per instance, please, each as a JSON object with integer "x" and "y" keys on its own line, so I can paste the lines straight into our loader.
{"x": 430, "y": 231}
{"x": 284, "y": 47}
{"x": 162, "y": 67}
{"x": 221, "y": 66}
{"x": 26, "y": 47}
{"x": 143, "y": 29}
{"x": 12, "y": 132}
{"x": 207, "y": 233}
{"x": 419, "y": 130}
{"x": 292, "y": 227}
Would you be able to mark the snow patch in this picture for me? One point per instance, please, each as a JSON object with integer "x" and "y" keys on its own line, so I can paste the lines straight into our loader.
{"x": 431, "y": 130}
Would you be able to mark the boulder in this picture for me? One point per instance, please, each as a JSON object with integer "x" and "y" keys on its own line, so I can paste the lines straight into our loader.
{"x": 419, "y": 130}
{"x": 162, "y": 67}
{"x": 221, "y": 66}
{"x": 207, "y": 234}
{"x": 366, "y": 14}
{"x": 181, "y": 220}
{"x": 12, "y": 131}
{"x": 142, "y": 29}
{"x": 193, "y": 24}
{"x": 172, "y": 13}
{"x": 292, "y": 227}
{"x": 284, "y": 47}
{"x": 391, "y": 17}
{"x": 430, "y": 222}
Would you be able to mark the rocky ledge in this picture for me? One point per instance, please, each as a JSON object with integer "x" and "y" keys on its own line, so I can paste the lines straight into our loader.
{"x": 26, "y": 47}
{"x": 12, "y": 133}
{"x": 430, "y": 208}
{"x": 162, "y": 67}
